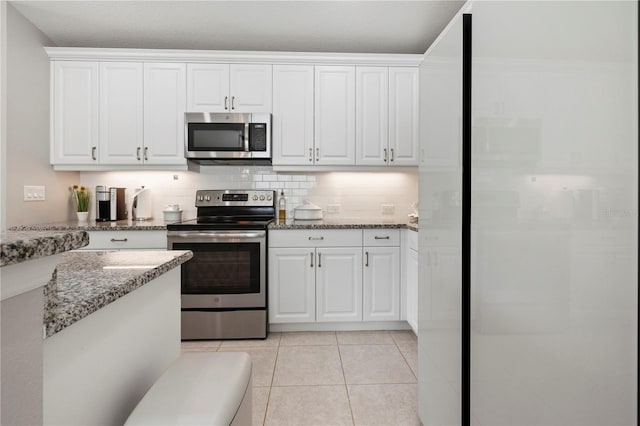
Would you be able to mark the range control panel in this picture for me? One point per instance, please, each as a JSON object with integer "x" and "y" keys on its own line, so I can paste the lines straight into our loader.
{"x": 233, "y": 197}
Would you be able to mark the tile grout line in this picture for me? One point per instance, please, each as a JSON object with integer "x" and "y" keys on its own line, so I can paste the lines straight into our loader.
{"x": 346, "y": 388}
{"x": 273, "y": 373}
{"x": 405, "y": 358}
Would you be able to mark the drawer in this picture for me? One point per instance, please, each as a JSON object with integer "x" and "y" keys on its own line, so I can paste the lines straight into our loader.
{"x": 316, "y": 238}
{"x": 381, "y": 237}
{"x": 124, "y": 240}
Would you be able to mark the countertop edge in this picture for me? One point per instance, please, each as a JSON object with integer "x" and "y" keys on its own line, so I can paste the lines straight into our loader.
{"x": 56, "y": 319}
{"x": 21, "y": 246}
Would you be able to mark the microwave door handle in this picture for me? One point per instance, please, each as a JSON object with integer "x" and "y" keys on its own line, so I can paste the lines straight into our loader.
{"x": 246, "y": 137}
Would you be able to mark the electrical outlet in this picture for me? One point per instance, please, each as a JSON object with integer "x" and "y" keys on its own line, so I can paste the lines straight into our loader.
{"x": 33, "y": 193}
{"x": 388, "y": 209}
{"x": 333, "y": 208}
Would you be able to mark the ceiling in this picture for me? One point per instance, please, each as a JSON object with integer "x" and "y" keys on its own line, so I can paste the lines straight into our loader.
{"x": 293, "y": 26}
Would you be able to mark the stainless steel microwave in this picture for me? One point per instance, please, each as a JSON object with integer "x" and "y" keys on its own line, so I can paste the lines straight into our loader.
{"x": 215, "y": 137}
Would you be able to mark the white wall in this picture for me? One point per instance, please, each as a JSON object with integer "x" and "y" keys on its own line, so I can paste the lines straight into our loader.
{"x": 359, "y": 194}
{"x": 27, "y": 129}
{"x": 3, "y": 111}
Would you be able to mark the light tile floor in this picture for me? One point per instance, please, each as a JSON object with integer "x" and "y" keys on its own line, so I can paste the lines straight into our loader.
{"x": 330, "y": 378}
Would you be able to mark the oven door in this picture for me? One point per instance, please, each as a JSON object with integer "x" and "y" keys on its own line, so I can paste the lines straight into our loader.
{"x": 227, "y": 271}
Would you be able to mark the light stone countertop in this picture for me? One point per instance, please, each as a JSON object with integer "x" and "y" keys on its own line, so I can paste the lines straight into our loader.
{"x": 85, "y": 282}
{"x": 23, "y": 245}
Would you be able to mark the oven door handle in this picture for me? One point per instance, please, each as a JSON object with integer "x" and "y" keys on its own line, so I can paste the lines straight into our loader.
{"x": 217, "y": 235}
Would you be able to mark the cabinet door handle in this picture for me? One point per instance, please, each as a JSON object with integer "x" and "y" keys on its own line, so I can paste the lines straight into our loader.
{"x": 119, "y": 240}
{"x": 316, "y": 238}
{"x": 366, "y": 255}
{"x": 385, "y": 155}
{"x": 226, "y": 102}
{"x": 317, "y": 154}
{"x": 310, "y": 154}
{"x": 311, "y": 255}
{"x": 233, "y": 102}
{"x": 146, "y": 152}
{"x": 94, "y": 150}
{"x": 138, "y": 153}
{"x": 381, "y": 238}
{"x": 319, "y": 260}
{"x": 392, "y": 155}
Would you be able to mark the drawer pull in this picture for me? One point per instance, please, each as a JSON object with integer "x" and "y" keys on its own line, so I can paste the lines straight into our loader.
{"x": 316, "y": 238}
{"x": 119, "y": 240}
{"x": 381, "y": 238}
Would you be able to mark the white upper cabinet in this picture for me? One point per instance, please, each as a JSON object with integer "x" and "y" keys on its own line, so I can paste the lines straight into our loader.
{"x": 229, "y": 88}
{"x": 403, "y": 116}
{"x": 74, "y": 112}
{"x": 207, "y": 87}
{"x": 334, "y": 115}
{"x": 372, "y": 115}
{"x": 121, "y": 113}
{"x": 293, "y": 115}
{"x": 164, "y": 108}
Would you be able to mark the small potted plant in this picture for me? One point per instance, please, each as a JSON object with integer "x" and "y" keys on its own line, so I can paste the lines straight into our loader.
{"x": 81, "y": 198}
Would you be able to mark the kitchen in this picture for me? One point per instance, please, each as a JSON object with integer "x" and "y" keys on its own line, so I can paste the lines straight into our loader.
{"x": 388, "y": 196}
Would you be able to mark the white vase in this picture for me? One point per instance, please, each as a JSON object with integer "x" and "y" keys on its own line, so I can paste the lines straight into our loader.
{"x": 82, "y": 216}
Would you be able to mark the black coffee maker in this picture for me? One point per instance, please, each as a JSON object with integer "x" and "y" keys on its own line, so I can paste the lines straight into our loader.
{"x": 110, "y": 204}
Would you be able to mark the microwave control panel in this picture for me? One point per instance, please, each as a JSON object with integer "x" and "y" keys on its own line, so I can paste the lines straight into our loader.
{"x": 257, "y": 137}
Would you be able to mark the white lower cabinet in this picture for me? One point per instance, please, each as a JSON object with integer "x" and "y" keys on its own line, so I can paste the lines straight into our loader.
{"x": 334, "y": 275}
{"x": 315, "y": 276}
{"x": 292, "y": 285}
{"x": 411, "y": 280}
{"x": 381, "y": 283}
{"x": 339, "y": 284}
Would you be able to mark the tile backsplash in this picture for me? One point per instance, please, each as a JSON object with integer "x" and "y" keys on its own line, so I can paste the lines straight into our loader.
{"x": 347, "y": 194}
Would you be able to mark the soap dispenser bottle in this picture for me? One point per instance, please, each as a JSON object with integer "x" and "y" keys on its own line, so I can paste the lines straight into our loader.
{"x": 282, "y": 207}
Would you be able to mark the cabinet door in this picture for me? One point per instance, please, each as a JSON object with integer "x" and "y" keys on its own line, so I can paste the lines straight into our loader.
{"x": 121, "y": 113}
{"x": 403, "y": 116}
{"x": 381, "y": 286}
{"x": 335, "y": 115}
{"x": 164, "y": 108}
{"x": 250, "y": 88}
{"x": 411, "y": 301}
{"x": 339, "y": 284}
{"x": 74, "y": 115}
{"x": 207, "y": 87}
{"x": 292, "y": 115}
{"x": 291, "y": 285}
{"x": 372, "y": 115}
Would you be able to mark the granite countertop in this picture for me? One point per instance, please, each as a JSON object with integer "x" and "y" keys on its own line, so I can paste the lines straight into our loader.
{"x": 344, "y": 223}
{"x": 86, "y": 281}
{"x": 92, "y": 225}
{"x": 161, "y": 225}
{"x": 20, "y": 246}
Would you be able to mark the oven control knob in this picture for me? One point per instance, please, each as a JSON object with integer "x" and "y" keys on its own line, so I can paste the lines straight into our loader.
{"x": 207, "y": 197}
{"x": 269, "y": 197}
{"x": 199, "y": 197}
{"x": 255, "y": 198}
{"x": 262, "y": 198}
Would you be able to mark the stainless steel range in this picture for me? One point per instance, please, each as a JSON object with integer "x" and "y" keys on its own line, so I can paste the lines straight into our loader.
{"x": 224, "y": 285}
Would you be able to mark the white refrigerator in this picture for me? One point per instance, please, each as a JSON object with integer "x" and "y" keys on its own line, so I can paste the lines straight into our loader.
{"x": 528, "y": 239}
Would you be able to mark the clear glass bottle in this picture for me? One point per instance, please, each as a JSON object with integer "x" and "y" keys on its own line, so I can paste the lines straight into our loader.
{"x": 282, "y": 207}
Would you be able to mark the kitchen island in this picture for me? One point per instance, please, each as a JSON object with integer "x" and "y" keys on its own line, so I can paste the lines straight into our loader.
{"x": 112, "y": 324}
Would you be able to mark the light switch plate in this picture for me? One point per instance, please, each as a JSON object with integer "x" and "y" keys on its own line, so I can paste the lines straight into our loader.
{"x": 34, "y": 193}
{"x": 388, "y": 209}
